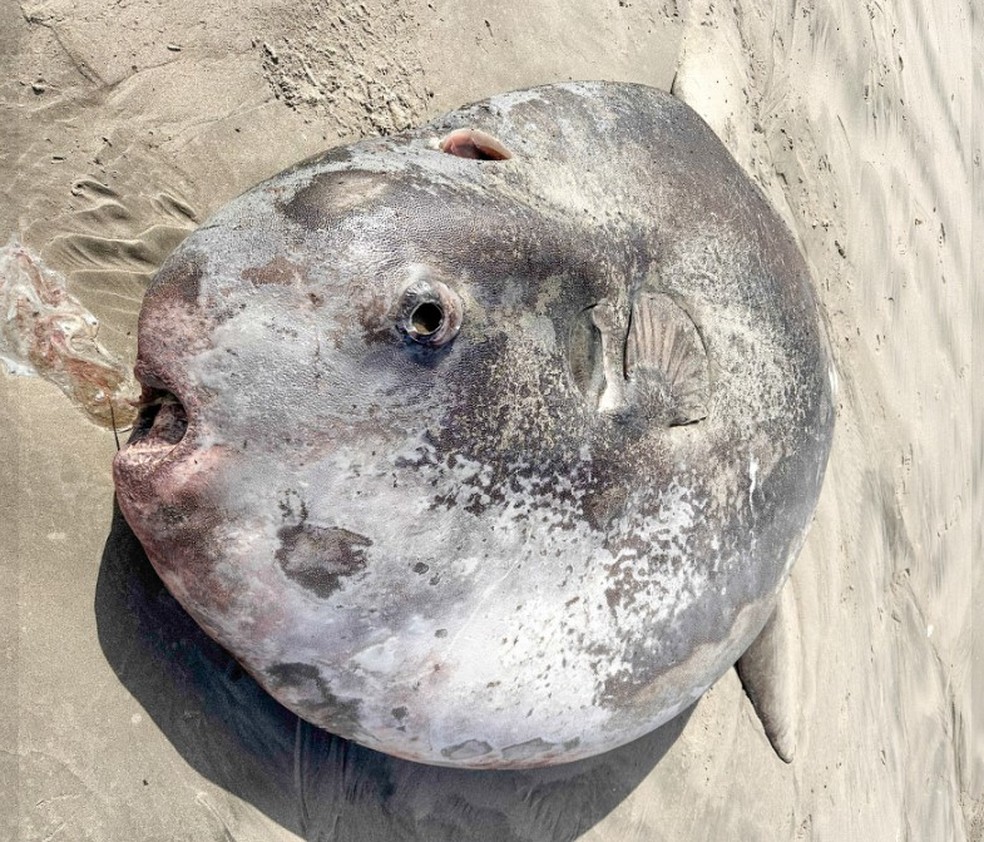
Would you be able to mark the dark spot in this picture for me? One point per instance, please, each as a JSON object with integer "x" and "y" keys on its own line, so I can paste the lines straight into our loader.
{"x": 332, "y": 195}
{"x": 605, "y": 504}
{"x": 277, "y": 271}
{"x": 289, "y": 511}
{"x": 292, "y": 674}
{"x": 441, "y": 633}
{"x": 375, "y": 318}
{"x": 618, "y": 689}
{"x": 420, "y": 568}
{"x": 171, "y": 516}
{"x": 527, "y": 750}
{"x": 179, "y": 277}
{"x": 318, "y": 558}
{"x": 399, "y": 713}
{"x": 467, "y": 750}
{"x": 320, "y": 704}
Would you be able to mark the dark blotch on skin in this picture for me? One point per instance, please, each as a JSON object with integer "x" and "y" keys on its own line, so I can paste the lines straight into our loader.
{"x": 332, "y": 195}
{"x": 343, "y": 714}
{"x": 527, "y": 750}
{"x": 603, "y": 506}
{"x": 467, "y": 750}
{"x": 293, "y": 674}
{"x": 277, "y": 271}
{"x": 179, "y": 278}
{"x": 318, "y": 558}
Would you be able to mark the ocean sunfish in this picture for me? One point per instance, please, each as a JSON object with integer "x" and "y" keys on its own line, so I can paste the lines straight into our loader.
{"x": 488, "y": 444}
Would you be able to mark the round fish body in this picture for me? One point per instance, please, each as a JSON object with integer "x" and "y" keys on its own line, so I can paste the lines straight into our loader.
{"x": 489, "y": 444}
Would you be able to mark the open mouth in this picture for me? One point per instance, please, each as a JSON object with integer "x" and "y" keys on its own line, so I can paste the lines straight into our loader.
{"x": 161, "y": 422}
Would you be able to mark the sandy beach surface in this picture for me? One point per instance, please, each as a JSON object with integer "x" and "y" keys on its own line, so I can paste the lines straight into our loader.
{"x": 124, "y": 125}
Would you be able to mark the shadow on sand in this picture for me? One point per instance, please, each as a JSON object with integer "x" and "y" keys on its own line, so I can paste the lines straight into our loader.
{"x": 315, "y": 784}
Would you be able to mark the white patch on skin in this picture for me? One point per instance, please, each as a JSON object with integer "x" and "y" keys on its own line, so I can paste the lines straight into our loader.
{"x": 380, "y": 658}
{"x": 753, "y": 467}
{"x": 541, "y": 330}
{"x": 664, "y": 582}
{"x": 500, "y": 599}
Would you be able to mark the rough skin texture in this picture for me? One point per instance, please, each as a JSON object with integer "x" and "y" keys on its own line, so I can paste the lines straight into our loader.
{"x": 532, "y": 541}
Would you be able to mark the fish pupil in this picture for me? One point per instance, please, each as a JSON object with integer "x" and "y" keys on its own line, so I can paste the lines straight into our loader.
{"x": 427, "y": 318}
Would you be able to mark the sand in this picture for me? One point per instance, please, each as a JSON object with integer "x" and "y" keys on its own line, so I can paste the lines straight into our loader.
{"x": 122, "y": 126}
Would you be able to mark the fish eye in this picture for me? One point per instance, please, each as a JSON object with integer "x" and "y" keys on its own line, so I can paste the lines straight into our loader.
{"x": 429, "y": 313}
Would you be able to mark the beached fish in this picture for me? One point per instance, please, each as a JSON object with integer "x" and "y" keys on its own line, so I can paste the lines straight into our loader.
{"x": 492, "y": 443}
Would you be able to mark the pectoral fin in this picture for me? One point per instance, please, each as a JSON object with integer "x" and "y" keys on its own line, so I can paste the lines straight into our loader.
{"x": 665, "y": 361}
{"x": 649, "y": 361}
{"x": 770, "y": 673}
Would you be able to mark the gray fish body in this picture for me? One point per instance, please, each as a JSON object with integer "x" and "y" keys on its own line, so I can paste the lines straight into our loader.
{"x": 488, "y": 463}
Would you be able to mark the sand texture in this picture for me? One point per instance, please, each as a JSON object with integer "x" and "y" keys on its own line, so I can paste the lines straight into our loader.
{"x": 123, "y": 126}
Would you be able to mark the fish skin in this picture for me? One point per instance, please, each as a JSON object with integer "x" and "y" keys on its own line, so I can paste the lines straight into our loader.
{"x": 457, "y": 553}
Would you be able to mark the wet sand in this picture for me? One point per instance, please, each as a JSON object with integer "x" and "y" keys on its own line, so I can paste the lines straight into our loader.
{"x": 124, "y": 126}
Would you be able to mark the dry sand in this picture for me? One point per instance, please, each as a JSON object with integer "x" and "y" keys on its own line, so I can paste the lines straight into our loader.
{"x": 124, "y": 125}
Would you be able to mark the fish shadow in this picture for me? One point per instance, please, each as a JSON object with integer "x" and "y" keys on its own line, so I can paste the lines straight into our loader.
{"x": 313, "y": 783}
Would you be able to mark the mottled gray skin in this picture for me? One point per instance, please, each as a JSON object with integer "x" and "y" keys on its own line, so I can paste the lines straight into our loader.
{"x": 498, "y": 552}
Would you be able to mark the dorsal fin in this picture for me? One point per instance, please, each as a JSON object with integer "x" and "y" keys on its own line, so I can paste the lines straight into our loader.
{"x": 475, "y": 144}
{"x": 770, "y": 673}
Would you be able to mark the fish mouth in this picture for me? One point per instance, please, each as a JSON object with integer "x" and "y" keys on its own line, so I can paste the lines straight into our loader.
{"x": 158, "y": 459}
{"x": 161, "y": 422}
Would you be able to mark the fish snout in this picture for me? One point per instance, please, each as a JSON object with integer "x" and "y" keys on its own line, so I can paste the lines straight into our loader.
{"x": 173, "y": 329}
{"x": 164, "y": 440}
{"x": 162, "y": 419}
